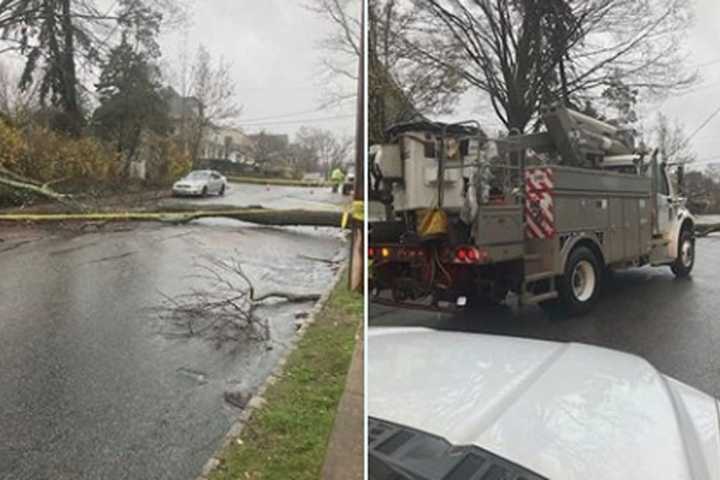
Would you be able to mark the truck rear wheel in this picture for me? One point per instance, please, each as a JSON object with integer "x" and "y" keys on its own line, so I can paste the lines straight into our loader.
{"x": 579, "y": 287}
{"x": 685, "y": 259}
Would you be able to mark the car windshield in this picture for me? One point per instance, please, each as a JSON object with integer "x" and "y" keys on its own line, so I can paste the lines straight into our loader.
{"x": 197, "y": 175}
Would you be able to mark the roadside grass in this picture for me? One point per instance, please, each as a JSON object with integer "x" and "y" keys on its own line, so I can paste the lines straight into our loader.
{"x": 287, "y": 438}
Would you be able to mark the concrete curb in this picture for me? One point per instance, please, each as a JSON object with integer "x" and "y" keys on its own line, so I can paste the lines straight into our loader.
{"x": 257, "y": 400}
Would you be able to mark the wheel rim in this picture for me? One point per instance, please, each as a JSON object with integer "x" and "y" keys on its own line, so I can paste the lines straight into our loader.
{"x": 687, "y": 253}
{"x": 583, "y": 281}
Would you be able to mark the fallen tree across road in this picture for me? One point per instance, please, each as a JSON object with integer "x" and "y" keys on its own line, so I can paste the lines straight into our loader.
{"x": 279, "y": 182}
{"x": 257, "y": 215}
{"x": 704, "y": 229}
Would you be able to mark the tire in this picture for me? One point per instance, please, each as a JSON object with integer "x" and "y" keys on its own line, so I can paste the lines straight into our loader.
{"x": 204, "y": 192}
{"x": 685, "y": 259}
{"x": 579, "y": 287}
{"x": 222, "y": 191}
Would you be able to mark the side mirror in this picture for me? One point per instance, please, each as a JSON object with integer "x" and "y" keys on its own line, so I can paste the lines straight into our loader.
{"x": 681, "y": 179}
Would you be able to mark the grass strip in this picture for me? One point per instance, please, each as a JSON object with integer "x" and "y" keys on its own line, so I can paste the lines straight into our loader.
{"x": 287, "y": 438}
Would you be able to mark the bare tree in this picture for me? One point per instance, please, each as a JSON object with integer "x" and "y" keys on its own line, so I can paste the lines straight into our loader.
{"x": 15, "y": 104}
{"x": 524, "y": 53}
{"x": 672, "y": 141}
{"x": 209, "y": 98}
{"x": 400, "y": 87}
{"x": 342, "y": 46}
{"x": 329, "y": 150}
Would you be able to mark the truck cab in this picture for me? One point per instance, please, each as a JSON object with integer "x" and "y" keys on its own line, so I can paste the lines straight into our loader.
{"x": 674, "y": 221}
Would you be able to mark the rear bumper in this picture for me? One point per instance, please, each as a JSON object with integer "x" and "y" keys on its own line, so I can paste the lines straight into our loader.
{"x": 181, "y": 192}
{"x": 441, "y": 307}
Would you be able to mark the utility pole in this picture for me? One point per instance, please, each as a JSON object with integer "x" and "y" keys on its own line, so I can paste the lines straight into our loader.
{"x": 357, "y": 249}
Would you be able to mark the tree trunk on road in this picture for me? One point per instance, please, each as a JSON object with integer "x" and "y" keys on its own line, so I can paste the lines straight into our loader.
{"x": 261, "y": 216}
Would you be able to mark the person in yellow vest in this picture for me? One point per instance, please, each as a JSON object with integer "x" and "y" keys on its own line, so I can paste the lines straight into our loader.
{"x": 337, "y": 177}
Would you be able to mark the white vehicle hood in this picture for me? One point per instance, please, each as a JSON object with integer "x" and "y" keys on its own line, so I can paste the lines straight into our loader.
{"x": 563, "y": 410}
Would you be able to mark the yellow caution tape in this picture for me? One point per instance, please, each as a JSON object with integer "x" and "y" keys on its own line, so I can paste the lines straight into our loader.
{"x": 57, "y": 217}
{"x": 356, "y": 210}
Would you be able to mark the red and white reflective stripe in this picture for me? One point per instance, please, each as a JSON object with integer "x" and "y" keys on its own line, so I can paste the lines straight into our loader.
{"x": 543, "y": 201}
{"x": 539, "y": 203}
{"x": 540, "y": 215}
{"x": 539, "y": 179}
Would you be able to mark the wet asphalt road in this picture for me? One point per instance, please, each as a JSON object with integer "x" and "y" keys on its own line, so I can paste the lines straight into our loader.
{"x": 675, "y": 324}
{"x": 90, "y": 388}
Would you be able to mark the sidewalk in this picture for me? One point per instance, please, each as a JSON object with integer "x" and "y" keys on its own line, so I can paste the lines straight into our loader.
{"x": 344, "y": 459}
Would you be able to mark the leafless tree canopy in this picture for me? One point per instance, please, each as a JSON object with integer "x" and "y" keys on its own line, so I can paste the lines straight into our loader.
{"x": 215, "y": 89}
{"x": 523, "y": 53}
{"x": 209, "y": 84}
{"x": 402, "y": 87}
{"x": 672, "y": 141}
{"x": 342, "y": 46}
{"x": 431, "y": 88}
{"x": 328, "y": 150}
{"x": 15, "y": 103}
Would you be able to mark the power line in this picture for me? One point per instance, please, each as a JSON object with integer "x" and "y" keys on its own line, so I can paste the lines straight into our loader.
{"x": 704, "y": 124}
{"x": 294, "y": 114}
{"x": 293, "y": 122}
{"x": 707, "y": 64}
{"x": 705, "y": 161}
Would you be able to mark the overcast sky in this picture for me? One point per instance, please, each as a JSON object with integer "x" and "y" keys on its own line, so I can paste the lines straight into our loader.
{"x": 694, "y": 107}
{"x": 272, "y": 45}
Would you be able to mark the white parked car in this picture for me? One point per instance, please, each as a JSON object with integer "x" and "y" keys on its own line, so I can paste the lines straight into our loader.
{"x": 200, "y": 183}
{"x": 460, "y": 406}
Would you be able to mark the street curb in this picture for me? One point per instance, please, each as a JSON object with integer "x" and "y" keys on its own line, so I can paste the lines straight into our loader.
{"x": 257, "y": 400}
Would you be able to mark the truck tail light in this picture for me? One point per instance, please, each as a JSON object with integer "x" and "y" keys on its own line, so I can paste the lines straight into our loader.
{"x": 397, "y": 253}
{"x": 470, "y": 255}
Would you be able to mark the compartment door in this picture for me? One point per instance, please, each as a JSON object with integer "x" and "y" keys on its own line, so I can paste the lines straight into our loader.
{"x": 631, "y": 221}
{"x": 616, "y": 247}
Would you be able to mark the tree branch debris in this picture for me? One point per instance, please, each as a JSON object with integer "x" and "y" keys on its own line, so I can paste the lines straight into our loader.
{"x": 226, "y": 309}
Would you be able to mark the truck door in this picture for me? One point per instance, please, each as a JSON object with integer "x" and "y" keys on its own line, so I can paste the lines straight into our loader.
{"x": 664, "y": 203}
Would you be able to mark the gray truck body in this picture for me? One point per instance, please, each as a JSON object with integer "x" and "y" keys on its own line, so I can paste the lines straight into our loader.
{"x": 616, "y": 203}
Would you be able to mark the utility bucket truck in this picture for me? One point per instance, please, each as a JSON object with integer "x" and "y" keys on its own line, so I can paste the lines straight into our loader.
{"x": 468, "y": 219}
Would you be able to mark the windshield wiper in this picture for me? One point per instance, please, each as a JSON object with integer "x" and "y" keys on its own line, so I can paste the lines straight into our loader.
{"x": 396, "y": 452}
